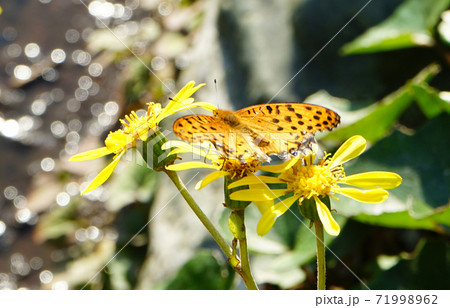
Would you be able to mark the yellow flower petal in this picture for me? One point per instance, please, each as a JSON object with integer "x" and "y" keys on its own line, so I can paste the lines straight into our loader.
{"x": 263, "y": 206}
{"x": 190, "y": 165}
{"x": 185, "y": 93}
{"x": 91, "y": 154}
{"x": 210, "y": 178}
{"x": 254, "y": 179}
{"x": 350, "y": 149}
{"x": 263, "y": 194}
{"x": 204, "y": 105}
{"x": 204, "y": 150}
{"x": 368, "y": 196}
{"x": 118, "y": 140}
{"x": 176, "y": 151}
{"x": 187, "y": 147}
{"x": 282, "y": 167}
{"x": 329, "y": 224}
{"x": 103, "y": 175}
{"x": 258, "y": 186}
{"x": 270, "y": 216}
{"x": 173, "y": 107}
{"x": 375, "y": 179}
{"x": 250, "y": 195}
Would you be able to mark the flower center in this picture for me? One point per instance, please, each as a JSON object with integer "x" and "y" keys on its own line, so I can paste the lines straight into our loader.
{"x": 134, "y": 127}
{"x": 236, "y": 168}
{"x": 313, "y": 180}
{"x": 137, "y": 126}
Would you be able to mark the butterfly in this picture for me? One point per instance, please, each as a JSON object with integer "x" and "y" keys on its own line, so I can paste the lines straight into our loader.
{"x": 277, "y": 128}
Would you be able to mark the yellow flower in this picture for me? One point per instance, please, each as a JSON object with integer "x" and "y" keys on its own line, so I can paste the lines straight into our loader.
{"x": 223, "y": 165}
{"x": 305, "y": 180}
{"x": 138, "y": 128}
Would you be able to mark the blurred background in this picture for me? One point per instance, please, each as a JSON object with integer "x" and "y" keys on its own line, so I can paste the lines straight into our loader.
{"x": 70, "y": 69}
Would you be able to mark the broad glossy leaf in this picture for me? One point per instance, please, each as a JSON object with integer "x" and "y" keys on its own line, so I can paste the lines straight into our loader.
{"x": 386, "y": 113}
{"x": 410, "y": 25}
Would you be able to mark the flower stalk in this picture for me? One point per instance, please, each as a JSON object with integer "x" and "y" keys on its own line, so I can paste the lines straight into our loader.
{"x": 245, "y": 272}
{"x": 321, "y": 268}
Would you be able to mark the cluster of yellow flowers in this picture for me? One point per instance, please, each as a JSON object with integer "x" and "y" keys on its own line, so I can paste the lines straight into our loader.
{"x": 139, "y": 128}
{"x": 302, "y": 177}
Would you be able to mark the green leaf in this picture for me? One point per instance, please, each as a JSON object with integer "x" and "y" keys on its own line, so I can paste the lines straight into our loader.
{"x": 410, "y": 25}
{"x": 381, "y": 119}
{"x": 205, "y": 271}
{"x": 406, "y": 221}
{"x": 426, "y": 269}
{"x": 428, "y": 100}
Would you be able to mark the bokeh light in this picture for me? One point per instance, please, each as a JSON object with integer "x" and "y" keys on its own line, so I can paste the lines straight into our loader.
{"x": 22, "y": 72}
{"x": 58, "y": 56}
{"x": 32, "y": 50}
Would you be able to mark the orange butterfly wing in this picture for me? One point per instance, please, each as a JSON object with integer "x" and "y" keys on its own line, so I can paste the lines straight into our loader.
{"x": 230, "y": 137}
{"x": 259, "y": 131}
{"x": 287, "y": 127}
{"x": 203, "y": 128}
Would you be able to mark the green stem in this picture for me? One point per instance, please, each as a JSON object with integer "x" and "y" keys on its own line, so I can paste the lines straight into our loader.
{"x": 320, "y": 255}
{"x": 246, "y": 273}
{"x": 203, "y": 218}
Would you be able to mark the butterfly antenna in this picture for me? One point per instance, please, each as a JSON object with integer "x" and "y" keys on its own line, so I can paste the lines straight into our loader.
{"x": 217, "y": 93}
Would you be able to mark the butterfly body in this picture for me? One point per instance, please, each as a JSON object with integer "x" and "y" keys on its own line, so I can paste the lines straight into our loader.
{"x": 258, "y": 131}
{"x": 228, "y": 117}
